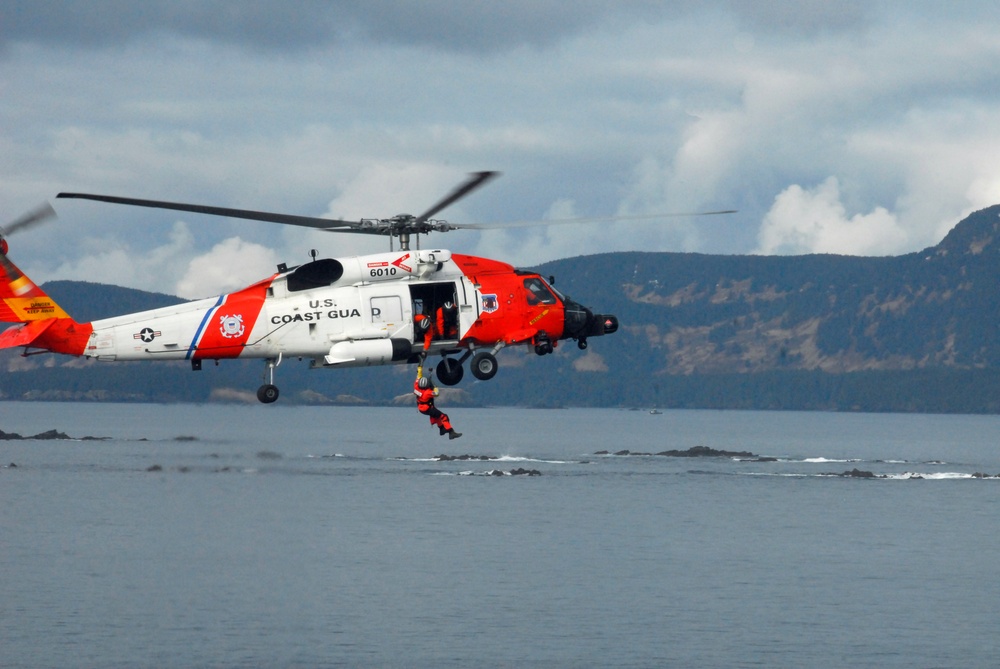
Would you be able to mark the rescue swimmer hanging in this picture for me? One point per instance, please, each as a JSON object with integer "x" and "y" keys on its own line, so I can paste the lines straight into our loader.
{"x": 423, "y": 388}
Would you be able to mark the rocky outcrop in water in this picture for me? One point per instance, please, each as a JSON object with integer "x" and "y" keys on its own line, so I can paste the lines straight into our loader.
{"x": 693, "y": 452}
{"x": 859, "y": 474}
{"x": 48, "y": 434}
{"x": 520, "y": 471}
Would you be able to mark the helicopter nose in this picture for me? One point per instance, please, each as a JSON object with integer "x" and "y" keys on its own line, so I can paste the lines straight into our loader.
{"x": 578, "y": 319}
{"x": 607, "y": 323}
{"x": 581, "y": 322}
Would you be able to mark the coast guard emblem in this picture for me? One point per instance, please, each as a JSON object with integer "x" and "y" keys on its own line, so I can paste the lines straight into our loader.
{"x": 231, "y": 326}
{"x": 490, "y": 303}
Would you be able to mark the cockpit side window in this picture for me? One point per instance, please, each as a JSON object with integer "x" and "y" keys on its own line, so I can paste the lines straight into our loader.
{"x": 538, "y": 292}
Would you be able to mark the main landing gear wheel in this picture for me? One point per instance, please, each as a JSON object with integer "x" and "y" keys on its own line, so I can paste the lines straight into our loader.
{"x": 267, "y": 393}
{"x": 449, "y": 371}
{"x": 483, "y": 366}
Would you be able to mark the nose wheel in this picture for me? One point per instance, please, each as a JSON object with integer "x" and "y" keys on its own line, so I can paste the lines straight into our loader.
{"x": 268, "y": 392}
{"x": 483, "y": 366}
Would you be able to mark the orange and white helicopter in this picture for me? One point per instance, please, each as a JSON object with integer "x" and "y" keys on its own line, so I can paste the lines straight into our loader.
{"x": 386, "y": 308}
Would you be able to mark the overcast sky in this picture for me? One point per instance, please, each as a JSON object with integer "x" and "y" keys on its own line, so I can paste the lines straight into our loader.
{"x": 857, "y": 127}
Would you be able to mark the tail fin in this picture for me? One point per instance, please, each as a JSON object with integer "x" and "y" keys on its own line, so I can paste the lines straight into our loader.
{"x": 21, "y": 301}
{"x": 44, "y": 324}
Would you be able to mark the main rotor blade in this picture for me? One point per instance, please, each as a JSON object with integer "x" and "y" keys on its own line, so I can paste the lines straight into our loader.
{"x": 593, "y": 219}
{"x": 288, "y": 219}
{"x": 31, "y": 218}
{"x": 475, "y": 180}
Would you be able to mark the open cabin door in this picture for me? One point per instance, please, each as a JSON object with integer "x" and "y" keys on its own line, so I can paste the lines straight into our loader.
{"x": 428, "y": 299}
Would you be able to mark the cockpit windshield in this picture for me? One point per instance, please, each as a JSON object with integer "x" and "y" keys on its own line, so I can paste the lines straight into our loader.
{"x": 538, "y": 292}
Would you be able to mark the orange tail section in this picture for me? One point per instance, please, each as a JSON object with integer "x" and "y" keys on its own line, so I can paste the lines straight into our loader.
{"x": 44, "y": 324}
{"x": 21, "y": 301}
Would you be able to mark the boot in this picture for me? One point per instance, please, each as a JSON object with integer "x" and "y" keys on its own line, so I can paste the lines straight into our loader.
{"x": 453, "y": 435}
{"x": 442, "y": 431}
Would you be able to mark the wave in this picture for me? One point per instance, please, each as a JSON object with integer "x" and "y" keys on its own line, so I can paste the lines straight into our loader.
{"x": 825, "y": 460}
{"x": 487, "y": 458}
{"x": 822, "y": 460}
{"x": 940, "y": 476}
{"x": 517, "y": 458}
{"x": 888, "y": 476}
{"x": 491, "y": 472}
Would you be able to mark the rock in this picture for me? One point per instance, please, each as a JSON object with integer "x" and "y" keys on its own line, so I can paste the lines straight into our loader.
{"x": 51, "y": 434}
{"x": 47, "y": 435}
{"x": 706, "y": 452}
{"x": 861, "y": 474}
{"x": 154, "y": 468}
{"x": 693, "y": 452}
{"x": 269, "y": 455}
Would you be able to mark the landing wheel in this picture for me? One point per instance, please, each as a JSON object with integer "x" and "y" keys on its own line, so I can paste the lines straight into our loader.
{"x": 267, "y": 393}
{"x": 449, "y": 371}
{"x": 483, "y": 366}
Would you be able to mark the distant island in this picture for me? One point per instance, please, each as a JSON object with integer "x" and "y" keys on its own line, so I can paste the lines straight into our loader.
{"x": 911, "y": 333}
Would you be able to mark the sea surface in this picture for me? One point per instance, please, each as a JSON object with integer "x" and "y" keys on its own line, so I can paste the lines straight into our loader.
{"x": 280, "y": 536}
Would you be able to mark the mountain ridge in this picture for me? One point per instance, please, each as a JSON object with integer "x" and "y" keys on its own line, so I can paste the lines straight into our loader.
{"x": 915, "y": 332}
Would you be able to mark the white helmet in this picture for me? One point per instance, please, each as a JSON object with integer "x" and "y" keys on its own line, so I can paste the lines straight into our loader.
{"x": 449, "y": 305}
{"x": 424, "y": 382}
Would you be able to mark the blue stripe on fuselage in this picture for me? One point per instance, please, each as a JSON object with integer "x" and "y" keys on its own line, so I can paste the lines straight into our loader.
{"x": 204, "y": 322}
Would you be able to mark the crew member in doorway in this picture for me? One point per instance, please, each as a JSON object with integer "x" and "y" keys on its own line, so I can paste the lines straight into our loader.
{"x": 425, "y": 391}
{"x": 424, "y": 324}
{"x": 445, "y": 321}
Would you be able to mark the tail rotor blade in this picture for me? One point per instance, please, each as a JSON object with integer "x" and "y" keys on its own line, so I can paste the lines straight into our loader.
{"x": 39, "y": 215}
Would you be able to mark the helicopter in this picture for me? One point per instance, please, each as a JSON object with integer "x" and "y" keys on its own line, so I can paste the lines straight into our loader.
{"x": 397, "y": 307}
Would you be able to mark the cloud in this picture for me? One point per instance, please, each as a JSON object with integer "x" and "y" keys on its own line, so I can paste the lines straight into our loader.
{"x": 262, "y": 24}
{"x": 355, "y": 109}
{"x": 231, "y": 264}
{"x": 116, "y": 261}
{"x": 815, "y": 221}
{"x": 259, "y": 23}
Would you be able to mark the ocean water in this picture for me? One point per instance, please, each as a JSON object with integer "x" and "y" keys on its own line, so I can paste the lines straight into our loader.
{"x": 278, "y": 536}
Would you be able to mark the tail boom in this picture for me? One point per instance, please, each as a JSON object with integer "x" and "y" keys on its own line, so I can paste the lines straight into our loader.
{"x": 58, "y": 335}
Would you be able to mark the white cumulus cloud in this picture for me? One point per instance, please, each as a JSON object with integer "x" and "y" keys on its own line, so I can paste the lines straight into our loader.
{"x": 816, "y": 221}
{"x": 230, "y": 265}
